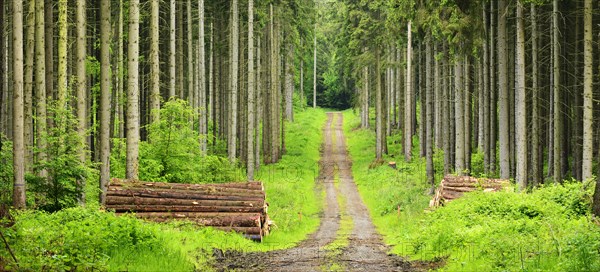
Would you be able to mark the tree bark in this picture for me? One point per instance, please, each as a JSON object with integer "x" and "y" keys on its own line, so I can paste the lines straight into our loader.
{"x": 133, "y": 93}
{"x": 588, "y": 96}
{"x": 49, "y": 51}
{"x": 408, "y": 100}
{"x": 459, "y": 161}
{"x": 62, "y": 57}
{"x": 105, "y": 84}
{"x": 378, "y": 108}
{"x": 520, "y": 100}
{"x": 154, "y": 62}
{"x": 233, "y": 70}
{"x": 429, "y": 120}
{"x": 202, "y": 80}
{"x": 81, "y": 85}
{"x": 28, "y": 83}
{"x": 557, "y": 116}
{"x": 40, "y": 76}
{"x": 172, "y": 47}
{"x": 251, "y": 96}
{"x": 315, "y": 68}
{"x": 18, "y": 141}
{"x": 503, "y": 106}
{"x": 536, "y": 167}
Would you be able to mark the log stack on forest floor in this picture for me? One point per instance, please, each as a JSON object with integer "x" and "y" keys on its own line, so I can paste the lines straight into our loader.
{"x": 453, "y": 187}
{"x": 239, "y": 207}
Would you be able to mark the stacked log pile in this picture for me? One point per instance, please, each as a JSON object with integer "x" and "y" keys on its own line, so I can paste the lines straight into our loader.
{"x": 239, "y": 207}
{"x": 453, "y": 187}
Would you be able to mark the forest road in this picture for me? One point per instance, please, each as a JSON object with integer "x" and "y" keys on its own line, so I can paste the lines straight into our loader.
{"x": 346, "y": 240}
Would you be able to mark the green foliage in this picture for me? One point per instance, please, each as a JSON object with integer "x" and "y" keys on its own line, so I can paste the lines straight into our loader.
{"x": 62, "y": 186}
{"x": 6, "y": 170}
{"x": 172, "y": 153}
{"x": 549, "y": 229}
{"x": 76, "y": 239}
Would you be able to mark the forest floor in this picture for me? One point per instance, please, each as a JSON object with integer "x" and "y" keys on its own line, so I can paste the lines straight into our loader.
{"x": 346, "y": 240}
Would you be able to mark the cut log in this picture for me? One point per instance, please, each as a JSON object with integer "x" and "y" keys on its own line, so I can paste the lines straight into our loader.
{"x": 172, "y": 208}
{"x": 204, "y": 219}
{"x": 453, "y": 187}
{"x": 112, "y": 200}
{"x": 255, "y": 185}
{"x": 114, "y": 191}
{"x": 203, "y": 191}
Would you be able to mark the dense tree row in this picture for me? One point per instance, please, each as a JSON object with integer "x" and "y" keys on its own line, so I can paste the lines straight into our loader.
{"x": 511, "y": 81}
{"x": 112, "y": 64}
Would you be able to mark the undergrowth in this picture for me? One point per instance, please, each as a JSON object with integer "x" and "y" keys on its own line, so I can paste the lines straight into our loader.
{"x": 550, "y": 229}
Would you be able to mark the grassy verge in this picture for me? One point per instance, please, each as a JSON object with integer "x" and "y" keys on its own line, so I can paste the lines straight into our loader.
{"x": 89, "y": 239}
{"x": 549, "y": 229}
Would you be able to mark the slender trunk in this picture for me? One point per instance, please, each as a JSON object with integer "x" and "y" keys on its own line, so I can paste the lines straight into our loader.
{"x": 190, "y": 54}
{"x": 259, "y": 103}
{"x": 251, "y": 96}
{"x": 378, "y": 108}
{"x": 133, "y": 93}
{"x": 536, "y": 168}
{"x": 172, "y": 47}
{"x": 459, "y": 120}
{"x": 289, "y": 83}
{"x": 202, "y": 79}
{"x": 62, "y": 57}
{"x": 18, "y": 141}
{"x": 486, "y": 94}
{"x": 81, "y": 85}
{"x": 40, "y": 77}
{"x": 105, "y": 84}
{"x": 28, "y": 83}
{"x": 429, "y": 119}
{"x": 233, "y": 110}
{"x": 49, "y": 52}
{"x": 180, "y": 89}
{"x": 154, "y": 63}
{"x": 588, "y": 107}
{"x": 408, "y": 131}
{"x": 521, "y": 107}
{"x": 557, "y": 116}
{"x": 503, "y": 106}
{"x": 120, "y": 75}
{"x": 493, "y": 101}
{"x": 437, "y": 86}
{"x": 315, "y": 69}
{"x": 468, "y": 112}
{"x": 365, "y": 98}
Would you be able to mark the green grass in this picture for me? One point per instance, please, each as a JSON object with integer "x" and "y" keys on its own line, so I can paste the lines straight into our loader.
{"x": 548, "y": 230}
{"x": 89, "y": 239}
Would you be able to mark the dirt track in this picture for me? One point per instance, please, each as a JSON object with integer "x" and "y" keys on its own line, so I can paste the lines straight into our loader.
{"x": 363, "y": 250}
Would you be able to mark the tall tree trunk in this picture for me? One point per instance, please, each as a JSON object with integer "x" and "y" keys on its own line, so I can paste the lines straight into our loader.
{"x": 429, "y": 119}
{"x": 521, "y": 107}
{"x": 49, "y": 53}
{"x": 468, "y": 112}
{"x": 28, "y": 83}
{"x": 588, "y": 96}
{"x": 378, "y": 108}
{"x": 365, "y": 98}
{"x": 62, "y": 56}
{"x": 190, "y": 54}
{"x": 105, "y": 84}
{"x": 18, "y": 141}
{"x": 503, "y": 106}
{"x": 154, "y": 62}
{"x": 133, "y": 92}
{"x": 536, "y": 167}
{"x": 492, "y": 91}
{"x": 233, "y": 110}
{"x": 558, "y": 126}
{"x": 408, "y": 100}
{"x": 40, "y": 77}
{"x": 459, "y": 118}
{"x": 315, "y": 68}
{"x": 251, "y": 96}
{"x": 180, "y": 88}
{"x": 202, "y": 79}
{"x": 289, "y": 82}
{"x": 258, "y": 103}
{"x": 81, "y": 85}
{"x": 172, "y": 47}
{"x": 120, "y": 74}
